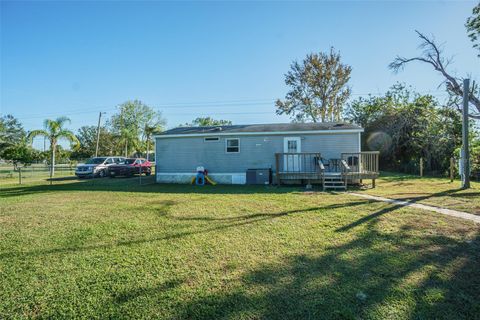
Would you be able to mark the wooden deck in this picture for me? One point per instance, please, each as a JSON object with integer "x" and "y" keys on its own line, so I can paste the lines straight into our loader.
{"x": 311, "y": 168}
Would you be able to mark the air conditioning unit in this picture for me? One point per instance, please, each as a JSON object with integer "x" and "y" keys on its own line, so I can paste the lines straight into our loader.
{"x": 259, "y": 176}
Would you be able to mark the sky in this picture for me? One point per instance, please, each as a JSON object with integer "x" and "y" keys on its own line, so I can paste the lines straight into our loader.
{"x": 221, "y": 59}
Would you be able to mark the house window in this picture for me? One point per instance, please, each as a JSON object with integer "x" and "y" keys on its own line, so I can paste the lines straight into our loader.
{"x": 292, "y": 146}
{"x": 232, "y": 145}
{"x": 215, "y": 139}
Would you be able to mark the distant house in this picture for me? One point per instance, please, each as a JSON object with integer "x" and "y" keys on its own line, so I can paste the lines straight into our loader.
{"x": 293, "y": 151}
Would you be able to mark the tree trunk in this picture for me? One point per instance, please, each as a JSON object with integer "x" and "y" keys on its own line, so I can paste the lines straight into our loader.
{"x": 148, "y": 147}
{"x": 52, "y": 162}
{"x": 126, "y": 148}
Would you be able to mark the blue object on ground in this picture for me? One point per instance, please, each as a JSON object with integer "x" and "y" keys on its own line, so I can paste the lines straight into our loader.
{"x": 200, "y": 180}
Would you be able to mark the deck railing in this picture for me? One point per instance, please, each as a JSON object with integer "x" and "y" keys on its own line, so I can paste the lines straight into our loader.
{"x": 362, "y": 165}
{"x": 353, "y": 166}
{"x": 303, "y": 165}
{"x": 346, "y": 169}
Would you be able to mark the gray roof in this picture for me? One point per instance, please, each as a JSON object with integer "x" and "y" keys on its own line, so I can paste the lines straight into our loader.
{"x": 271, "y": 127}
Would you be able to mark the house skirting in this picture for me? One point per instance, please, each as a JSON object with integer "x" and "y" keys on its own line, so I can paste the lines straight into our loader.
{"x": 220, "y": 178}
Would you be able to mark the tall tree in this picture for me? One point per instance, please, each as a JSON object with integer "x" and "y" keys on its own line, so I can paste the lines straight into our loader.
{"x": 208, "y": 122}
{"x": 13, "y": 143}
{"x": 318, "y": 88}
{"x": 148, "y": 131}
{"x": 87, "y": 136}
{"x": 54, "y": 130}
{"x": 11, "y": 132}
{"x": 405, "y": 126}
{"x": 20, "y": 154}
{"x": 130, "y": 123}
{"x": 432, "y": 54}
{"x": 129, "y": 140}
{"x": 473, "y": 27}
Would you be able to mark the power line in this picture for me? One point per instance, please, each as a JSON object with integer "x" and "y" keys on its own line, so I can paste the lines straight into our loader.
{"x": 246, "y": 101}
{"x": 227, "y": 103}
{"x": 209, "y": 104}
{"x": 95, "y": 111}
{"x": 215, "y": 105}
{"x": 222, "y": 113}
{"x": 72, "y": 111}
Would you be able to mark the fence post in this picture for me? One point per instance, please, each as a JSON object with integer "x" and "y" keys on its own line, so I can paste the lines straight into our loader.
{"x": 421, "y": 167}
{"x": 19, "y": 175}
{"x": 277, "y": 169}
{"x": 452, "y": 163}
{"x": 140, "y": 173}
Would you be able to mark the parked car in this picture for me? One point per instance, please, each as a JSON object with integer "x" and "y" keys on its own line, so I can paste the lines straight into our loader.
{"x": 130, "y": 167}
{"x": 97, "y": 167}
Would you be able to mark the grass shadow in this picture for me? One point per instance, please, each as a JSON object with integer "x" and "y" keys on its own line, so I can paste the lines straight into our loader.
{"x": 164, "y": 207}
{"x": 128, "y": 295}
{"x": 388, "y": 208}
{"x": 366, "y": 277}
{"x": 133, "y": 185}
{"x": 67, "y": 178}
{"x": 255, "y": 216}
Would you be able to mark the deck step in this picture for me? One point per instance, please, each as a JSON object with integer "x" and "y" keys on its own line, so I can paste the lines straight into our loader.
{"x": 333, "y": 182}
{"x": 334, "y": 187}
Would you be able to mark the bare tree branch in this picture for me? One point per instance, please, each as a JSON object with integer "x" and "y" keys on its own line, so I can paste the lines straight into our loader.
{"x": 432, "y": 54}
{"x": 471, "y": 115}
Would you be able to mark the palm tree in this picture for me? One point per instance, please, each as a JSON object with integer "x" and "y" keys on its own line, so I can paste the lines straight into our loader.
{"x": 54, "y": 131}
{"x": 129, "y": 139}
{"x": 148, "y": 132}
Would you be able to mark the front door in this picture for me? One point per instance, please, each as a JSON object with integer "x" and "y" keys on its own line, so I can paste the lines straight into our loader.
{"x": 291, "y": 160}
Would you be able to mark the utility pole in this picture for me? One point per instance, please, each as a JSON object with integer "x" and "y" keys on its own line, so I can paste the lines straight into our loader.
{"x": 98, "y": 132}
{"x": 421, "y": 167}
{"x": 465, "y": 149}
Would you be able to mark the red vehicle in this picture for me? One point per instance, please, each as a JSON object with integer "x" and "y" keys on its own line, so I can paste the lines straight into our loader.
{"x": 130, "y": 167}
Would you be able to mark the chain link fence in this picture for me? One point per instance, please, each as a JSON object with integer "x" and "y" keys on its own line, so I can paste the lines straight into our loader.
{"x": 448, "y": 168}
{"x": 34, "y": 172}
{"x": 40, "y": 173}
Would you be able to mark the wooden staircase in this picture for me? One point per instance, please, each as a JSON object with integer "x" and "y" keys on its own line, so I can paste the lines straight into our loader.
{"x": 333, "y": 180}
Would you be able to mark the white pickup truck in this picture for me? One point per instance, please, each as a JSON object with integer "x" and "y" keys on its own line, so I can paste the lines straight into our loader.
{"x": 97, "y": 167}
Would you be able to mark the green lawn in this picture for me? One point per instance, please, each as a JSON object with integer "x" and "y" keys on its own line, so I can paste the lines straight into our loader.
{"x": 109, "y": 248}
{"x": 438, "y": 192}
